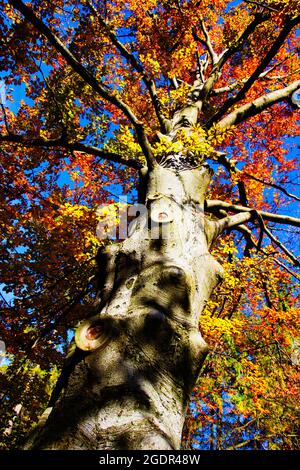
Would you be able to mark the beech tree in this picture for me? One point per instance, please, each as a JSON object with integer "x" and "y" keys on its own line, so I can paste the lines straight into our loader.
{"x": 189, "y": 109}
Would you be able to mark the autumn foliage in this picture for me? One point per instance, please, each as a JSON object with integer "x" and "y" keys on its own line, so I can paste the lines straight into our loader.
{"x": 65, "y": 150}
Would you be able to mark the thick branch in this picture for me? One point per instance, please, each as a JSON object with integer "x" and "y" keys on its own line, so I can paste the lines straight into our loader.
{"x": 235, "y": 47}
{"x": 75, "y": 146}
{"x": 207, "y": 42}
{"x": 258, "y": 71}
{"x": 258, "y": 105}
{"x": 86, "y": 75}
{"x": 239, "y": 83}
{"x": 219, "y": 61}
{"x": 212, "y": 205}
{"x": 232, "y": 221}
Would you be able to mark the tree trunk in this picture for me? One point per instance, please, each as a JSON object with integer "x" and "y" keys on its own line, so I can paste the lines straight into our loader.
{"x": 143, "y": 351}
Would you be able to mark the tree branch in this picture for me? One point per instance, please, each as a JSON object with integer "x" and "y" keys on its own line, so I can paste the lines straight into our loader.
{"x": 225, "y": 89}
{"x": 272, "y": 185}
{"x": 248, "y": 236}
{"x": 201, "y": 67}
{"x": 174, "y": 82}
{"x": 232, "y": 221}
{"x": 228, "y": 53}
{"x": 282, "y": 265}
{"x": 213, "y": 205}
{"x": 213, "y": 55}
{"x": 75, "y": 146}
{"x": 225, "y": 56}
{"x": 150, "y": 84}
{"x": 234, "y": 86}
{"x": 258, "y": 105}
{"x": 231, "y": 167}
{"x": 273, "y": 239}
{"x": 86, "y": 76}
{"x": 206, "y": 42}
{"x": 287, "y": 28}
{"x": 5, "y": 118}
{"x": 282, "y": 247}
{"x": 262, "y": 5}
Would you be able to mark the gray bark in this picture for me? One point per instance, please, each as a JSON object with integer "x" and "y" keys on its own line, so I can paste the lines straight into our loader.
{"x": 129, "y": 382}
{"x": 130, "y": 387}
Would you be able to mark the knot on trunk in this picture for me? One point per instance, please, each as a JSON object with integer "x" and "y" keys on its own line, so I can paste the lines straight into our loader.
{"x": 93, "y": 333}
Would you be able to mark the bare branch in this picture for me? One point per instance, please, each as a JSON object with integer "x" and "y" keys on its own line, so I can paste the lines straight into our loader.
{"x": 213, "y": 205}
{"x": 197, "y": 38}
{"x": 246, "y": 232}
{"x": 282, "y": 265}
{"x": 200, "y": 68}
{"x": 258, "y": 105}
{"x": 282, "y": 77}
{"x": 87, "y": 76}
{"x": 228, "y": 88}
{"x": 74, "y": 146}
{"x": 210, "y": 48}
{"x": 262, "y": 228}
{"x": 233, "y": 221}
{"x": 174, "y": 82}
{"x": 274, "y": 239}
{"x": 277, "y": 64}
{"x": 239, "y": 83}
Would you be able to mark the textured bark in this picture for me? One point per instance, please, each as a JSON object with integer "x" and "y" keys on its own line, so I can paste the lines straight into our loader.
{"x": 128, "y": 383}
{"x": 130, "y": 388}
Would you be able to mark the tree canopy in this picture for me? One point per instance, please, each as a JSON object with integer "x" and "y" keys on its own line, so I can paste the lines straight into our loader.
{"x": 91, "y": 87}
